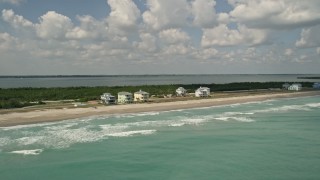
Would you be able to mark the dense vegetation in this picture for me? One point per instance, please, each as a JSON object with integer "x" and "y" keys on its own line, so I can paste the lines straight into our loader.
{"x": 308, "y": 77}
{"x": 19, "y": 97}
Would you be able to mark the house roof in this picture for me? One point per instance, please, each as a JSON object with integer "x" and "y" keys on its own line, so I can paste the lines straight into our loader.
{"x": 203, "y": 89}
{"x": 141, "y": 92}
{"x": 106, "y": 94}
{"x": 181, "y": 88}
{"x": 296, "y": 84}
{"x": 124, "y": 93}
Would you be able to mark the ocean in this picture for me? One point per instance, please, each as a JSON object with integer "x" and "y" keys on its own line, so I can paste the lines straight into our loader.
{"x": 273, "y": 139}
{"x": 133, "y": 80}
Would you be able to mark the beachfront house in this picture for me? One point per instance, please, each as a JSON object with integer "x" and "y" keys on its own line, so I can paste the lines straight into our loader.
{"x": 285, "y": 86}
{"x": 316, "y": 85}
{"x": 107, "y": 98}
{"x": 141, "y": 96}
{"x": 181, "y": 91}
{"x": 295, "y": 87}
{"x": 202, "y": 92}
{"x": 124, "y": 97}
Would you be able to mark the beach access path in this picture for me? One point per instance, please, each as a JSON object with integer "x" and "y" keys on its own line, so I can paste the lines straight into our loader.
{"x": 49, "y": 115}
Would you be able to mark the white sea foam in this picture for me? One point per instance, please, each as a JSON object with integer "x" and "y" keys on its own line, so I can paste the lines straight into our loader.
{"x": 132, "y": 115}
{"x": 284, "y": 109}
{"x": 148, "y": 114}
{"x": 176, "y": 124}
{"x": 313, "y": 105}
{"x": 238, "y": 113}
{"x": 27, "y": 126}
{"x": 62, "y": 126}
{"x": 4, "y": 141}
{"x": 242, "y": 119}
{"x": 28, "y": 152}
{"x": 29, "y": 140}
{"x": 194, "y": 121}
{"x": 222, "y": 118}
{"x": 131, "y": 133}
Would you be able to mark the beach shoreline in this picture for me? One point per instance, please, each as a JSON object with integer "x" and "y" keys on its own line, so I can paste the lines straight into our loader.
{"x": 51, "y": 115}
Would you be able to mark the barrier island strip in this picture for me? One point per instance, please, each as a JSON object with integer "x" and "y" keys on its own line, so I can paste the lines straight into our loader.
{"x": 57, "y": 108}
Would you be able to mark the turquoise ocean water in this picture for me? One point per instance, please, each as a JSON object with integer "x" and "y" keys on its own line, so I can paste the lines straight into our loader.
{"x": 274, "y": 139}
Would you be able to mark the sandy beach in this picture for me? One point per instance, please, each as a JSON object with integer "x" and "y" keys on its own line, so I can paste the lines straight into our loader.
{"x": 48, "y": 115}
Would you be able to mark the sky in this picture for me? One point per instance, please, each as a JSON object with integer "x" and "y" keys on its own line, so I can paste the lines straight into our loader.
{"x": 115, "y": 37}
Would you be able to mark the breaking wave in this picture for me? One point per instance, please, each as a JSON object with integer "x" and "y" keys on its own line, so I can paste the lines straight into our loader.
{"x": 96, "y": 128}
{"x": 28, "y": 152}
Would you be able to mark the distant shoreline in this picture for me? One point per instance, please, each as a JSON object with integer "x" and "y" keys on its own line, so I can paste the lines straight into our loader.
{"x": 50, "y": 115}
{"x": 137, "y": 75}
{"x": 315, "y": 77}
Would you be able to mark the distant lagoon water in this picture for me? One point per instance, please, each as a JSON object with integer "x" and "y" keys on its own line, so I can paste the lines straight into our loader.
{"x": 129, "y": 80}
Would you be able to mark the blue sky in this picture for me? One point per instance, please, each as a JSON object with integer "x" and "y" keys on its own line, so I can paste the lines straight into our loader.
{"x": 159, "y": 37}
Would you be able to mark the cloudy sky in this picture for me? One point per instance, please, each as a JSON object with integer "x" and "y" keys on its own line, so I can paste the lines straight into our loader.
{"x": 159, "y": 37}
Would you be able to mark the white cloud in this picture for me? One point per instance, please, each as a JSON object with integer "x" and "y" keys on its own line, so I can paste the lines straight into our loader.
{"x": 123, "y": 16}
{"x": 223, "y": 36}
{"x": 14, "y": 2}
{"x": 177, "y": 49}
{"x": 166, "y": 13}
{"x": 206, "y": 53}
{"x": 181, "y": 34}
{"x": 53, "y": 26}
{"x": 223, "y": 18}
{"x": 148, "y": 42}
{"x": 271, "y": 14}
{"x": 309, "y": 37}
{"x": 6, "y": 42}
{"x": 288, "y": 52}
{"x": 204, "y": 13}
{"x": 89, "y": 28}
{"x": 15, "y": 20}
{"x": 172, "y": 36}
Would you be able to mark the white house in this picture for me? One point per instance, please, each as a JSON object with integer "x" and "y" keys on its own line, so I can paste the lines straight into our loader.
{"x": 141, "y": 96}
{"x": 295, "y": 87}
{"x": 107, "y": 98}
{"x": 285, "y": 86}
{"x": 316, "y": 85}
{"x": 124, "y": 97}
{"x": 181, "y": 91}
{"x": 202, "y": 92}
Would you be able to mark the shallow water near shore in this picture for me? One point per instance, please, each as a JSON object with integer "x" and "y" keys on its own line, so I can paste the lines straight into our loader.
{"x": 274, "y": 139}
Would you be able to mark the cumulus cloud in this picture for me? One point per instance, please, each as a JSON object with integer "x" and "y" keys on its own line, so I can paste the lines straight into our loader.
{"x": 14, "y": 2}
{"x": 177, "y": 49}
{"x": 309, "y": 37}
{"x": 204, "y": 13}
{"x": 167, "y": 32}
{"x": 53, "y": 26}
{"x": 7, "y": 41}
{"x": 166, "y": 13}
{"x": 89, "y": 28}
{"x": 172, "y": 36}
{"x": 123, "y": 16}
{"x": 206, "y": 53}
{"x": 148, "y": 42}
{"x": 271, "y": 14}
{"x": 223, "y": 36}
{"x": 288, "y": 52}
{"x": 16, "y": 21}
